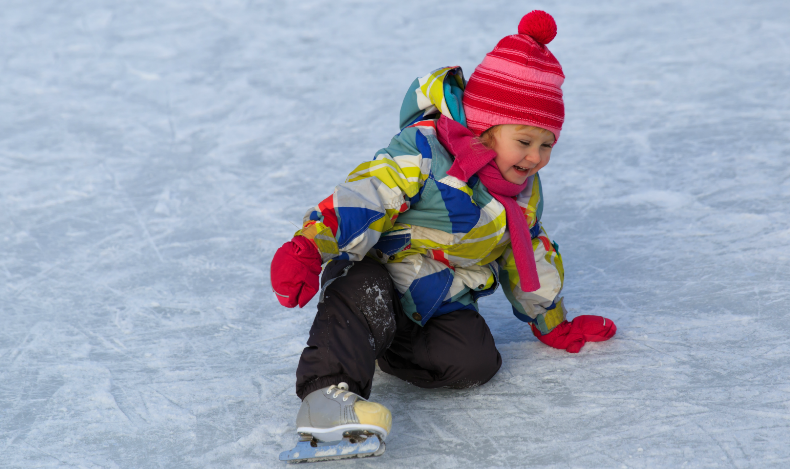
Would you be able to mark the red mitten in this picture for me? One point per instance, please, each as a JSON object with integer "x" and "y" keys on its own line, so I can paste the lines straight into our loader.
{"x": 595, "y": 328}
{"x": 563, "y": 336}
{"x": 295, "y": 269}
{"x": 572, "y": 336}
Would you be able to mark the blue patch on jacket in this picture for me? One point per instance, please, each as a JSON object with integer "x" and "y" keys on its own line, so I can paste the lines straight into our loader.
{"x": 422, "y": 145}
{"x": 391, "y": 244}
{"x": 353, "y": 222}
{"x": 462, "y": 212}
{"x": 427, "y": 292}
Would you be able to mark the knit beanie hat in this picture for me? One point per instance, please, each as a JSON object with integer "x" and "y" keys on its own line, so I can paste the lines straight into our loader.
{"x": 519, "y": 81}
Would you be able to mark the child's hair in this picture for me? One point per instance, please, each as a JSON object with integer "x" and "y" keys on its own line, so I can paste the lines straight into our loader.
{"x": 487, "y": 137}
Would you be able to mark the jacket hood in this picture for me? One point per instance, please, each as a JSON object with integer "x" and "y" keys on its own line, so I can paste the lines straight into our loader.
{"x": 441, "y": 91}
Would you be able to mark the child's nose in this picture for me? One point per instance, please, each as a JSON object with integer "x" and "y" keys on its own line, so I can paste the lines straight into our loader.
{"x": 533, "y": 157}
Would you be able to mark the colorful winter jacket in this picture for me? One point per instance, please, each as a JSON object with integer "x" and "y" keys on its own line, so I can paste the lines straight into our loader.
{"x": 444, "y": 242}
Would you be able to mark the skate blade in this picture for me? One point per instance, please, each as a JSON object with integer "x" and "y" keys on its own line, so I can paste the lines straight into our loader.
{"x": 314, "y": 451}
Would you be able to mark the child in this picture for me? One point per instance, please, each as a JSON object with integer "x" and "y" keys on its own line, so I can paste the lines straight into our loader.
{"x": 439, "y": 218}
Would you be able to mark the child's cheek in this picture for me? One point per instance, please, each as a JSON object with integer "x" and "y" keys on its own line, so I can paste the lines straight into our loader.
{"x": 502, "y": 165}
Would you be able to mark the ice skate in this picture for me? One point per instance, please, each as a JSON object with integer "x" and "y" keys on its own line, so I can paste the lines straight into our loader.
{"x": 334, "y": 423}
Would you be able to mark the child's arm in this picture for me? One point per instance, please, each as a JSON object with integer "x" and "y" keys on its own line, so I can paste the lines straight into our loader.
{"x": 543, "y": 308}
{"x": 349, "y": 222}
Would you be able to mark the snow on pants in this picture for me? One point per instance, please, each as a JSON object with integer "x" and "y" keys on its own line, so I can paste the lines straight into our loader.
{"x": 360, "y": 320}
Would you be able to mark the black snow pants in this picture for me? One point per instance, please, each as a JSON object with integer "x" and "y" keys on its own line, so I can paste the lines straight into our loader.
{"x": 360, "y": 320}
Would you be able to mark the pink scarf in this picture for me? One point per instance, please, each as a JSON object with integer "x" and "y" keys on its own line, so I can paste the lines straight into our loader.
{"x": 472, "y": 158}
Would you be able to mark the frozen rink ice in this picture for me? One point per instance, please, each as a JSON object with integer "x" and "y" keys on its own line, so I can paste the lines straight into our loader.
{"x": 153, "y": 155}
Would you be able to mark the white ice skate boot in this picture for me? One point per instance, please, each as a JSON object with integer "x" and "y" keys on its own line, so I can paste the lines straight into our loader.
{"x": 335, "y": 423}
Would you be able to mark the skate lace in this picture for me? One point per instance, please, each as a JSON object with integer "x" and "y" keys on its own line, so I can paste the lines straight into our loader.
{"x": 343, "y": 387}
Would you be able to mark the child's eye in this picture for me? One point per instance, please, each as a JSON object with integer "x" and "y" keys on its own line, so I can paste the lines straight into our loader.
{"x": 548, "y": 145}
{"x": 526, "y": 144}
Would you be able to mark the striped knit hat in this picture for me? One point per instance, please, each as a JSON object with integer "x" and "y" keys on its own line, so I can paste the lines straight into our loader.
{"x": 519, "y": 81}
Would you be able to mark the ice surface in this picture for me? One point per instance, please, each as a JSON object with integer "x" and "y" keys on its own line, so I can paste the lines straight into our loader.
{"x": 154, "y": 154}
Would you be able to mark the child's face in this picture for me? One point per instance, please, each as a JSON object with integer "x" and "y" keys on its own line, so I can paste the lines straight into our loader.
{"x": 521, "y": 151}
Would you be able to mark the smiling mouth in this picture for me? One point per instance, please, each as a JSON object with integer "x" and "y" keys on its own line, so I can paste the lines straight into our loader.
{"x": 523, "y": 170}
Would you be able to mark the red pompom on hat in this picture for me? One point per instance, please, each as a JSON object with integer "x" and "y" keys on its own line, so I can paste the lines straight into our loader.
{"x": 519, "y": 82}
{"x": 539, "y": 25}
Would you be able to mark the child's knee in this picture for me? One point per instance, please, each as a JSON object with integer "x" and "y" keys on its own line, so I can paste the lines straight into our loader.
{"x": 478, "y": 370}
{"x": 363, "y": 290}
{"x": 465, "y": 351}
